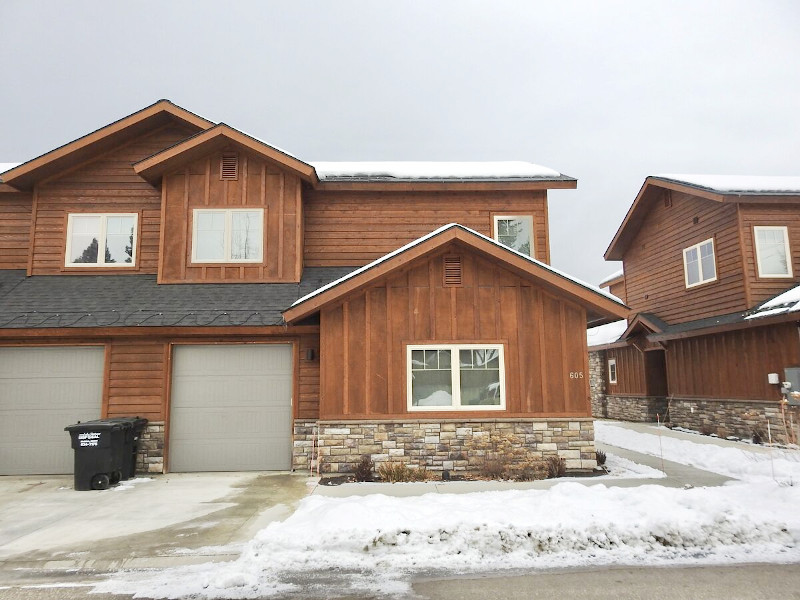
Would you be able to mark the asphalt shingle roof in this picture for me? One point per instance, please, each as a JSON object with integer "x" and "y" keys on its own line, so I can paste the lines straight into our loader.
{"x": 137, "y": 300}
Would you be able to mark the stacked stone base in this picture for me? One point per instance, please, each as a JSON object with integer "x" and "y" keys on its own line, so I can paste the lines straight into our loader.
{"x": 736, "y": 418}
{"x": 642, "y": 409}
{"x": 440, "y": 445}
{"x": 150, "y": 458}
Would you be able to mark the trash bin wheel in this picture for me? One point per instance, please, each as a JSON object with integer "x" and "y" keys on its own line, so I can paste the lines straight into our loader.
{"x": 100, "y": 481}
{"x": 115, "y": 477}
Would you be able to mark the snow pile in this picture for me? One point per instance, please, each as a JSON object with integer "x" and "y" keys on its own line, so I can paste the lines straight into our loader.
{"x": 606, "y": 334}
{"x": 433, "y": 170}
{"x": 741, "y": 184}
{"x": 372, "y": 544}
{"x": 730, "y": 461}
{"x": 622, "y": 468}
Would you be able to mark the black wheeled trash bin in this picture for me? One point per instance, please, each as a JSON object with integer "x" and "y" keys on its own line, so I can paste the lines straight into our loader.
{"x": 134, "y": 426}
{"x": 99, "y": 453}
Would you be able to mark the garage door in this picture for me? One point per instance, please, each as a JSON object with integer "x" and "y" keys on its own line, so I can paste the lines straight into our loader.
{"x": 41, "y": 391}
{"x": 231, "y": 408}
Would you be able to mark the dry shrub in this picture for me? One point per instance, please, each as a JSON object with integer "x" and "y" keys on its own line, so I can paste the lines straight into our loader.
{"x": 364, "y": 469}
{"x": 506, "y": 457}
{"x": 556, "y": 467}
{"x": 399, "y": 472}
{"x": 600, "y": 456}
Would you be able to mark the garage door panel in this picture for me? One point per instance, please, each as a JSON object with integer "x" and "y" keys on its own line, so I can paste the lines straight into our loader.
{"x": 231, "y": 408}
{"x": 42, "y": 390}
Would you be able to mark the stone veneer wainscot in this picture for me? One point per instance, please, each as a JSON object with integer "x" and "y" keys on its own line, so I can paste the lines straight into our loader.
{"x": 150, "y": 458}
{"x": 437, "y": 445}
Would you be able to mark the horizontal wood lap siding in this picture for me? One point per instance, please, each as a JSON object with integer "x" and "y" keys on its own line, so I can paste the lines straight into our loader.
{"x": 752, "y": 215}
{"x": 136, "y": 379}
{"x": 106, "y": 184}
{"x": 15, "y": 229}
{"x": 654, "y": 275}
{"x": 630, "y": 372}
{"x": 308, "y": 379}
{"x": 364, "y": 339}
{"x": 732, "y": 365}
{"x": 355, "y": 228}
{"x": 259, "y": 185}
{"x": 618, "y": 289}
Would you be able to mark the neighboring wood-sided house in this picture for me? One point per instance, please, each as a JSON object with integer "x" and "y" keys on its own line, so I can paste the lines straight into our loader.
{"x": 266, "y": 313}
{"x": 704, "y": 259}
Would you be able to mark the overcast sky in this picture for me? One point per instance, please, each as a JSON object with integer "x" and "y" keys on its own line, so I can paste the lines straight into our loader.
{"x": 607, "y": 92}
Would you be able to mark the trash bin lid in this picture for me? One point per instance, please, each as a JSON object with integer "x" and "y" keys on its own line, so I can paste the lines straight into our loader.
{"x": 98, "y": 425}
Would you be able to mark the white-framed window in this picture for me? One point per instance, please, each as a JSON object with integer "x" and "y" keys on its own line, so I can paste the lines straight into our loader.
{"x": 228, "y": 235}
{"x": 612, "y": 370}
{"x": 101, "y": 240}
{"x": 456, "y": 377}
{"x": 699, "y": 265}
{"x": 772, "y": 251}
{"x": 515, "y": 231}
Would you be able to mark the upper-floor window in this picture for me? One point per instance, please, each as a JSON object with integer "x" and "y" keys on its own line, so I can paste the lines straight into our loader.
{"x": 228, "y": 235}
{"x": 516, "y": 232}
{"x": 772, "y": 251}
{"x": 456, "y": 377}
{"x": 101, "y": 240}
{"x": 698, "y": 263}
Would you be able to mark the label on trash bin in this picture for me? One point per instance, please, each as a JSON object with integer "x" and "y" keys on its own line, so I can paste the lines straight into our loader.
{"x": 87, "y": 439}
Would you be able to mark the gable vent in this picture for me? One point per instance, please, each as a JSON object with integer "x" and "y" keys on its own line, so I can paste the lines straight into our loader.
{"x": 229, "y": 168}
{"x": 452, "y": 270}
{"x": 667, "y": 199}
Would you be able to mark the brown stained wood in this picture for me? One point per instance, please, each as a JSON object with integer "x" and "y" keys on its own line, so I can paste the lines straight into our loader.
{"x": 258, "y": 186}
{"x": 387, "y": 313}
{"x": 16, "y": 209}
{"x": 338, "y": 224}
{"x": 133, "y": 396}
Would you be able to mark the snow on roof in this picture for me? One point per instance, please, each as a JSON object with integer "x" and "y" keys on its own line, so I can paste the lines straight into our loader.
{"x": 740, "y": 184}
{"x": 612, "y": 277}
{"x": 433, "y": 170}
{"x": 606, "y": 334}
{"x": 788, "y": 301}
{"x": 436, "y": 232}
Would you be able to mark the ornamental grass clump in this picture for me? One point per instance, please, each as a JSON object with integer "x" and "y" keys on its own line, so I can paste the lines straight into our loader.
{"x": 401, "y": 473}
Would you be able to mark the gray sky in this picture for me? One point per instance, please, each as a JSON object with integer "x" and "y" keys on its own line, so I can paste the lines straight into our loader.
{"x": 608, "y": 92}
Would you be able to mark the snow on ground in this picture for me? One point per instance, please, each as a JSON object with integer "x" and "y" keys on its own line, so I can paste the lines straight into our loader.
{"x": 780, "y": 465}
{"x": 374, "y": 544}
{"x": 622, "y": 468}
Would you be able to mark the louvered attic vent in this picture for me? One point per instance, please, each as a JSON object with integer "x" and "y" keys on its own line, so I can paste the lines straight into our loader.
{"x": 452, "y": 270}
{"x": 229, "y": 168}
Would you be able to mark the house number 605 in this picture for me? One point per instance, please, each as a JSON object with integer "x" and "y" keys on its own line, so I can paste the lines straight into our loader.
{"x": 576, "y": 374}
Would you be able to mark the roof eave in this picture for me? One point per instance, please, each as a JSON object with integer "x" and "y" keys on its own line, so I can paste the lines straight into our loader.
{"x": 445, "y": 184}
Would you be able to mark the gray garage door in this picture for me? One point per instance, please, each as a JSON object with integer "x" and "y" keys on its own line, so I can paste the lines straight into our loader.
{"x": 231, "y": 408}
{"x": 41, "y": 391}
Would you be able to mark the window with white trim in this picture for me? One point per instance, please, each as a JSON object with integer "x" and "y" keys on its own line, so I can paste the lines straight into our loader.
{"x": 772, "y": 251}
{"x": 456, "y": 377}
{"x": 516, "y": 232}
{"x": 232, "y": 235}
{"x": 612, "y": 370}
{"x": 699, "y": 264}
{"x": 101, "y": 240}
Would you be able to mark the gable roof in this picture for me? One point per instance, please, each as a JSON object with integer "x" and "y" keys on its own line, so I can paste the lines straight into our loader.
{"x": 215, "y": 138}
{"x": 25, "y": 175}
{"x": 718, "y": 188}
{"x": 601, "y": 306}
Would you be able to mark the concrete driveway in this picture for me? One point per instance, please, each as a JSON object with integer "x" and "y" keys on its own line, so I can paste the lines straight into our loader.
{"x": 46, "y": 526}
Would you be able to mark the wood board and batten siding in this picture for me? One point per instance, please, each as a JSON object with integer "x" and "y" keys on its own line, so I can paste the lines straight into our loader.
{"x": 15, "y": 229}
{"x": 638, "y": 373}
{"x": 259, "y": 185}
{"x": 753, "y": 215}
{"x": 654, "y": 272}
{"x": 107, "y": 183}
{"x": 732, "y": 365}
{"x": 364, "y": 340}
{"x": 355, "y": 228}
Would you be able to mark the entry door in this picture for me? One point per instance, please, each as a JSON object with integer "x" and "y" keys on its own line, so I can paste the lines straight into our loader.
{"x": 231, "y": 408}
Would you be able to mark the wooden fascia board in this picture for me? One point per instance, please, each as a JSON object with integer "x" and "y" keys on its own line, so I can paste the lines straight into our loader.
{"x": 155, "y": 332}
{"x": 748, "y": 324}
{"x": 635, "y": 215}
{"x": 593, "y": 301}
{"x": 443, "y": 186}
{"x": 153, "y": 167}
{"x": 26, "y": 174}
